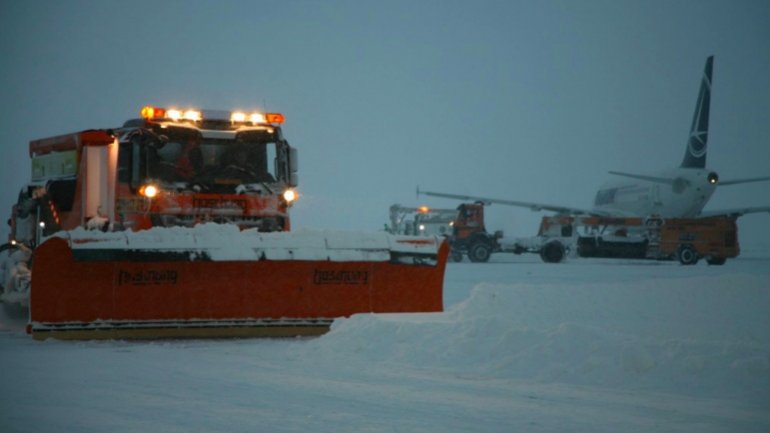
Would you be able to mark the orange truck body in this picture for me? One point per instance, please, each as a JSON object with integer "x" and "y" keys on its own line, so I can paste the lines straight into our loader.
{"x": 168, "y": 173}
{"x": 127, "y": 207}
{"x": 685, "y": 239}
{"x": 713, "y": 238}
{"x": 117, "y": 297}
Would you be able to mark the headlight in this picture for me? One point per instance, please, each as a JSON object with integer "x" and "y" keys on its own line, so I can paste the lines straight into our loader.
{"x": 289, "y": 195}
{"x": 149, "y": 191}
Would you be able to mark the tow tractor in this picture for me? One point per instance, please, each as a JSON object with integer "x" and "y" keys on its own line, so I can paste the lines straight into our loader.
{"x": 177, "y": 224}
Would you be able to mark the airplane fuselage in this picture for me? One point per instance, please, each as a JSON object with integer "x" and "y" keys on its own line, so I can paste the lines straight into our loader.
{"x": 683, "y": 196}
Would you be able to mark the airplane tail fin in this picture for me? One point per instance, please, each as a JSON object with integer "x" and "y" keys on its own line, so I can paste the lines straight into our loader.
{"x": 695, "y": 154}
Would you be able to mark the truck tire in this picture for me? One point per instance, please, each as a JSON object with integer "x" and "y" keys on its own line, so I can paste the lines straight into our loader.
{"x": 687, "y": 255}
{"x": 716, "y": 261}
{"x": 480, "y": 252}
{"x": 552, "y": 252}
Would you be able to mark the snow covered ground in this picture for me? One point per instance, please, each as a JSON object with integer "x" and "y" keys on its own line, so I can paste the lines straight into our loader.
{"x": 584, "y": 346}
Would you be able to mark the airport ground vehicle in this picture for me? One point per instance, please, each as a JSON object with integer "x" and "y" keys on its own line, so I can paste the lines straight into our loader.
{"x": 470, "y": 236}
{"x": 422, "y": 220}
{"x": 684, "y": 239}
{"x": 464, "y": 228}
{"x": 123, "y": 228}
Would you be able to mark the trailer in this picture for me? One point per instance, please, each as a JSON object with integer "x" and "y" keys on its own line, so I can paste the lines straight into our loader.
{"x": 685, "y": 239}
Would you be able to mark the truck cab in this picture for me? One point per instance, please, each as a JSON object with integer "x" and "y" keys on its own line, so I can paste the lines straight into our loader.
{"x": 470, "y": 236}
{"x": 167, "y": 168}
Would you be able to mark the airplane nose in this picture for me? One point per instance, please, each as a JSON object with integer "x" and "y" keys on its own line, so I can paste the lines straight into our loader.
{"x": 713, "y": 178}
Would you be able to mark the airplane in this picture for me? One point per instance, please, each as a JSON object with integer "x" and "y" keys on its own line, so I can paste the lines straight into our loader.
{"x": 680, "y": 192}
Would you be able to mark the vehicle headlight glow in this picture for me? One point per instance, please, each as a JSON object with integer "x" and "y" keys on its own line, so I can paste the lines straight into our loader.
{"x": 289, "y": 195}
{"x": 149, "y": 191}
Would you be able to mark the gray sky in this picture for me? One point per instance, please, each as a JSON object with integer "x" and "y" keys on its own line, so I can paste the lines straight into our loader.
{"x": 526, "y": 100}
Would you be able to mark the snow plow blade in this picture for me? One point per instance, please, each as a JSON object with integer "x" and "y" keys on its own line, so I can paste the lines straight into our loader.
{"x": 183, "y": 283}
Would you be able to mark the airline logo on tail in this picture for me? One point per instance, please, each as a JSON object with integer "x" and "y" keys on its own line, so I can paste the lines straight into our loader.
{"x": 695, "y": 157}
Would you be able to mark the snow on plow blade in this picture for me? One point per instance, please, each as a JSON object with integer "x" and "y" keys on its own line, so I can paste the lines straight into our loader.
{"x": 220, "y": 282}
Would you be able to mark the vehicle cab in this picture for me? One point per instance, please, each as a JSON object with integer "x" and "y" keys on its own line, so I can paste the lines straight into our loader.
{"x": 183, "y": 167}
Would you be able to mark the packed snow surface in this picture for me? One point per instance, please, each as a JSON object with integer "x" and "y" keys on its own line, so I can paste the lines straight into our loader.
{"x": 583, "y": 346}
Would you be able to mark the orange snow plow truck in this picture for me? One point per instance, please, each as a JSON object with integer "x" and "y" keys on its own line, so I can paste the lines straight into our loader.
{"x": 177, "y": 225}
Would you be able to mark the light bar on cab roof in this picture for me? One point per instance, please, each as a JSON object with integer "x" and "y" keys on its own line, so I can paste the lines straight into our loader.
{"x": 274, "y": 118}
{"x": 176, "y": 115}
{"x": 152, "y": 113}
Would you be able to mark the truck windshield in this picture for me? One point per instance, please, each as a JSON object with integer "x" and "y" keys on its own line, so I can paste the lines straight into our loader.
{"x": 214, "y": 163}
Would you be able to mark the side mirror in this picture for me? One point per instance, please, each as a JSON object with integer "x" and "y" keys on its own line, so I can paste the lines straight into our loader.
{"x": 293, "y": 166}
{"x": 293, "y": 160}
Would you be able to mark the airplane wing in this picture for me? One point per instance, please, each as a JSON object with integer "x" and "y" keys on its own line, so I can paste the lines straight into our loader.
{"x": 737, "y": 181}
{"x": 736, "y": 212}
{"x": 671, "y": 181}
{"x": 529, "y": 205}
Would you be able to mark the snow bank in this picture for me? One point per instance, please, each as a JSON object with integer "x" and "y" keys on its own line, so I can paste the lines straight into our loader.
{"x": 584, "y": 346}
{"x": 698, "y": 336}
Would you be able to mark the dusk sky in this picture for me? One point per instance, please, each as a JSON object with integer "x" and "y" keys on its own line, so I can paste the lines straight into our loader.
{"x": 521, "y": 100}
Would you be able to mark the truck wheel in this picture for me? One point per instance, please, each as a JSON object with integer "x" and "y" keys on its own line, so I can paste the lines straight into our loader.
{"x": 687, "y": 255}
{"x": 552, "y": 252}
{"x": 717, "y": 261}
{"x": 480, "y": 252}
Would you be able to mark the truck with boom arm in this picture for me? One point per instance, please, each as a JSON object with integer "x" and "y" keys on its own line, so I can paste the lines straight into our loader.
{"x": 464, "y": 228}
